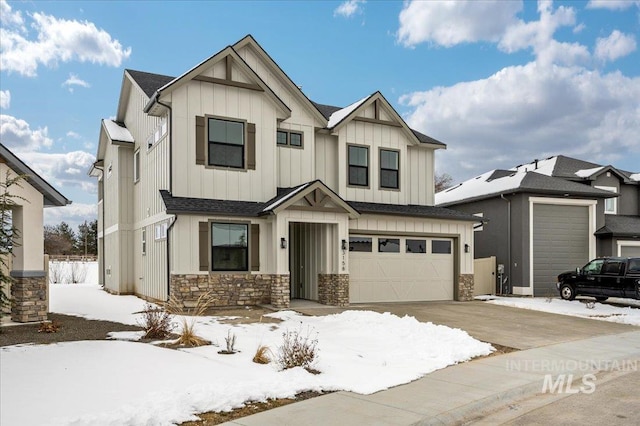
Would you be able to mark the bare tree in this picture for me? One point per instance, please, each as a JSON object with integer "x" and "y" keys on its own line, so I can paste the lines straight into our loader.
{"x": 443, "y": 181}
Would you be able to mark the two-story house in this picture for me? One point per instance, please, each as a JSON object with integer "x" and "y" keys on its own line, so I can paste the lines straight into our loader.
{"x": 229, "y": 180}
{"x": 550, "y": 216}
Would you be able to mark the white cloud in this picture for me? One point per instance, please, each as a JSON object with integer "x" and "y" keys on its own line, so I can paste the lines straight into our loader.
{"x": 73, "y": 135}
{"x": 56, "y": 40}
{"x": 579, "y": 28}
{"x": 349, "y": 8}
{"x": 447, "y": 23}
{"x": 531, "y": 111}
{"x": 5, "y": 99}
{"x": 74, "y": 80}
{"x": 73, "y": 214}
{"x": 63, "y": 170}
{"x": 615, "y": 46}
{"x": 18, "y": 136}
{"x": 612, "y": 4}
{"x": 10, "y": 18}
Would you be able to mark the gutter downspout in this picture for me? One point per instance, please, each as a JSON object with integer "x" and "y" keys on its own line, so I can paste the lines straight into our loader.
{"x": 508, "y": 239}
{"x": 170, "y": 123}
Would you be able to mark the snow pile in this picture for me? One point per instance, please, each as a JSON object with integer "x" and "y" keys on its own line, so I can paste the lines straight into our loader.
{"x": 115, "y": 382}
{"x": 337, "y": 117}
{"x": 578, "y": 308}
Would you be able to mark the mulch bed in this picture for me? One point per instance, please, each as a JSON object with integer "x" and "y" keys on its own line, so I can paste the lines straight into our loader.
{"x": 70, "y": 329}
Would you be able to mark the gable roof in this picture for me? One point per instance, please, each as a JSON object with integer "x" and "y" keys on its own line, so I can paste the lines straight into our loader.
{"x": 620, "y": 226}
{"x": 198, "y": 69}
{"x": 149, "y": 82}
{"x": 288, "y": 196}
{"x": 329, "y": 110}
{"x": 498, "y": 182}
{"x": 52, "y": 198}
{"x": 573, "y": 169}
{"x": 117, "y": 132}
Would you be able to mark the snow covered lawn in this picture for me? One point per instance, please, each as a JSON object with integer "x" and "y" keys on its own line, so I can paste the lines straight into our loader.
{"x": 124, "y": 382}
{"x": 578, "y": 308}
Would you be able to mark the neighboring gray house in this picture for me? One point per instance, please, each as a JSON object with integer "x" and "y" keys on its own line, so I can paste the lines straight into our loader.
{"x": 550, "y": 216}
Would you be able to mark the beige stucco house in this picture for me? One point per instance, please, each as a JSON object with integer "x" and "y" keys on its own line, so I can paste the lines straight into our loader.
{"x": 229, "y": 179}
{"x": 32, "y": 195}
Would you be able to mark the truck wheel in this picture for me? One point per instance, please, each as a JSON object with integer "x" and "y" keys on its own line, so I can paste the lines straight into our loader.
{"x": 601, "y": 298}
{"x": 567, "y": 292}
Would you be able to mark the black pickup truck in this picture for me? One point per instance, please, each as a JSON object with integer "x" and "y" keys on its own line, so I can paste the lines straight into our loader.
{"x": 602, "y": 278}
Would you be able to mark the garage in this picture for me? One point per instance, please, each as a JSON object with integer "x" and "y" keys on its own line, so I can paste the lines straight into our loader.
{"x": 400, "y": 269}
{"x": 560, "y": 243}
{"x": 629, "y": 250}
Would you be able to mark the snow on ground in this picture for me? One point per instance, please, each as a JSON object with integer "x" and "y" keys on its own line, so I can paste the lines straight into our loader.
{"x": 629, "y": 314}
{"x": 120, "y": 383}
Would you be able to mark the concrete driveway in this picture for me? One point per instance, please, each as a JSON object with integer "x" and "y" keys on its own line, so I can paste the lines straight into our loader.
{"x": 512, "y": 327}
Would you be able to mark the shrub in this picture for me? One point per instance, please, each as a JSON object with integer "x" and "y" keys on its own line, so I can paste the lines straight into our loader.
{"x": 156, "y": 322}
{"x": 298, "y": 350}
{"x": 187, "y": 335}
{"x": 262, "y": 355}
{"x": 78, "y": 272}
{"x": 49, "y": 327}
{"x": 56, "y": 273}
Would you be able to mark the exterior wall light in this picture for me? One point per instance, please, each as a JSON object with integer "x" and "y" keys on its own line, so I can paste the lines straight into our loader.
{"x": 283, "y": 243}
{"x": 466, "y": 248}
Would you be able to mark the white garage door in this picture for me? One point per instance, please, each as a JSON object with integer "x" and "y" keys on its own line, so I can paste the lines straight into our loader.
{"x": 630, "y": 251}
{"x": 399, "y": 269}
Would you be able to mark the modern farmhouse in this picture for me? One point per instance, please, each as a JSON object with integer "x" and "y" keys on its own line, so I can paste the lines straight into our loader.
{"x": 229, "y": 180}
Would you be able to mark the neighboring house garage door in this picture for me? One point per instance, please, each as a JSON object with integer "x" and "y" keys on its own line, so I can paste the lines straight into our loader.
{"x": 398, "y": 269}
{"x": 560, "y": 243}
{"x": 629, "y": 251}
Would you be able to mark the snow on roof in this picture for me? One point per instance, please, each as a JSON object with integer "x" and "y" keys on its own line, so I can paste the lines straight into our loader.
{"x": 588, "y": 172}
{"x": 340, "y": 115}
{"x": 544, "y": 167}
{"x": 117, "y": 132}
{"x": 635, "y": 176}
{"x": 286, "y": 197}
{"x": 479, "y": 186}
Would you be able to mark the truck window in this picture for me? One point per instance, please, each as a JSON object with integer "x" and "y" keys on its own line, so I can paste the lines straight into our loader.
{"x": 612, "y": 267}
{"x": 593, "y": 267}
{"x": 634, "y": 266}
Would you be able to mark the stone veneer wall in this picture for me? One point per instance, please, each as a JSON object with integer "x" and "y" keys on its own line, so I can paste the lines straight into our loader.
{"x": 231, "y": 289}
{"x": 333, "y": 289}
{"x": 465, "y": 287}
{"x": 29, "y": 299}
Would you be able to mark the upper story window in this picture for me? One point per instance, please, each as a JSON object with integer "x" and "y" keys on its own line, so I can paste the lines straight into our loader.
{"x": 610, "y": 204}
{"x": 226, "y": 143}
{"x": 358, "y": 165}
{"x": 229, "y": 248}
{"x": 158, "y": 133}
{"x": 289, "y": 138}
{"x": 389, "y": 169}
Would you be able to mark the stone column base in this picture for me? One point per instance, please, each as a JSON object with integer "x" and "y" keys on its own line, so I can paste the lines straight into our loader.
{"x": 28, "y": 298}
{"x": 465, "y": 287}
{"x": 333, "y": 289}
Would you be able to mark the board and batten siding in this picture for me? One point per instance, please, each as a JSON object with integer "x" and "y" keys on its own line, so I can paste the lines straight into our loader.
{"x": 416, "y": 165}
{"x": 296, "y": 165}
{"x": 151, "y": 267}
{"x": 201, "y": 99}
{"x": 326, "y": 160}
{"x": 396, "y": 225}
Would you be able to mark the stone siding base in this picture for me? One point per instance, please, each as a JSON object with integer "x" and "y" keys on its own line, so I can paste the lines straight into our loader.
{"x": 465, "y": 287}
{"x": 231, "y": 289}
{"x": 29, "y": 299}
{"x": 333, "y": 289}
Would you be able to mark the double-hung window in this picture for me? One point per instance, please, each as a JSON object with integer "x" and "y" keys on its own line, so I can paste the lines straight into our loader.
{"x": 389, "y": 169}
{"x": 358, "y": 165}
{"x": 226, "y": 143}
{"x": 229, "y": 246}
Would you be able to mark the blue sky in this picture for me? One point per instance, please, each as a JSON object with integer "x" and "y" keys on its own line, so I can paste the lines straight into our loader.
{"x": 500, "y": 82}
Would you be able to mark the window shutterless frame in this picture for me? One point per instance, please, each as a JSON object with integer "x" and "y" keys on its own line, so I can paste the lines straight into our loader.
{"x": 358, "y": 166}
{"x": 226, "y": 142}
{"x": 290, "y": 138}
{"x": 389, "y": 176}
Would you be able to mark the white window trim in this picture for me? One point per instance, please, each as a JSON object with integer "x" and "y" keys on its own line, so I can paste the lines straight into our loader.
{"x": 160, "y": 231}
{"x": 528, "y": 291}
{"x": 136, "y": 164}
{"x": 158, "y": 133}
{"x": 614, "y": 199}
{"x": 480, "y": 227}
{"x": 627, "y": 244}
{"x": 144, "y": 242}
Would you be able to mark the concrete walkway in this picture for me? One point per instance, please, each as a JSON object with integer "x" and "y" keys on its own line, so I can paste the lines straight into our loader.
{"x": 466, "y": 391}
